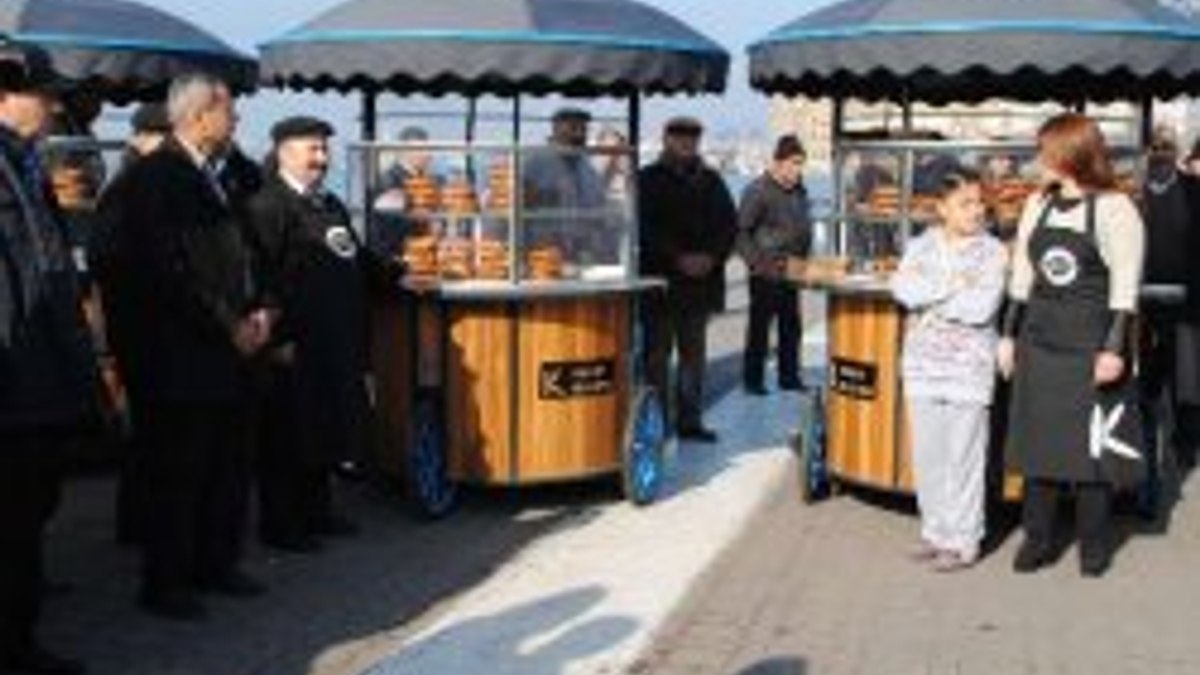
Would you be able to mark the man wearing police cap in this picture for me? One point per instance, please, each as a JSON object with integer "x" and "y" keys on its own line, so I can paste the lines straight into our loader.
{"x": 47, "y": 378}
{"x": 317, "y": 272}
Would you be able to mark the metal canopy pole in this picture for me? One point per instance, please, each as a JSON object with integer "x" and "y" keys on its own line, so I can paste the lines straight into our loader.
{"x": 837, "y": 157}
{"x": 370, "y": 115}
{"x": 635, "y": 143}
{"x": 1147, "y": 121}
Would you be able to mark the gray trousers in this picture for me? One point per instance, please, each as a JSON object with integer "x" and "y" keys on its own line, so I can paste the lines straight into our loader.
{"x": 950, "y": 441}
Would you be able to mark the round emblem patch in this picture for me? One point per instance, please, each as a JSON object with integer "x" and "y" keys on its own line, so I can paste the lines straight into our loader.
{"x": 1060, "y": 266}
{"x": 341, "y": 242}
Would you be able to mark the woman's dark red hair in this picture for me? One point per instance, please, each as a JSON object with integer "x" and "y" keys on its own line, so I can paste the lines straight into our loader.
{"x": 1072, "y": 144}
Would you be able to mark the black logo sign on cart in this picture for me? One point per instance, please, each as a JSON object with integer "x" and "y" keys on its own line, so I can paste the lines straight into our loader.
{"x": 577, "y": 379}
{"x": 855, "y": 379}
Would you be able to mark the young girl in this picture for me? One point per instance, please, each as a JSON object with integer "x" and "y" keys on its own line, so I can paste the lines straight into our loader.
{"x": 1074, "y": 290}
{"x": 951, "y": 281}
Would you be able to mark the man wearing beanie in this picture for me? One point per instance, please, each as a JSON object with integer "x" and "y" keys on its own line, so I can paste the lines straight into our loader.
{"x": 773, "y": 224}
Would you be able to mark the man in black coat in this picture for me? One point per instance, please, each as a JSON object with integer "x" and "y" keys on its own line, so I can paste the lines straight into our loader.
{"x": 48, "y": 387}
{"x": 688, "y": 226}
{"x": 316, "y": 271}
{"x": 197, "y": 326}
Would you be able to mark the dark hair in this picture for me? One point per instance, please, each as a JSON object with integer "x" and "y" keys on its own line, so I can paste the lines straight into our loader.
{"x": 954, "y": 179}
{"x": 787, "y": 147}
{"x": 1073, "y": 144}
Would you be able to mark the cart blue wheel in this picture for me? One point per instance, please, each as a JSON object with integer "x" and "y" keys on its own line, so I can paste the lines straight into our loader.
{"x": 434, "y": 491}
{"x": 814, "y": 475}
{"x": 645, "y": 436}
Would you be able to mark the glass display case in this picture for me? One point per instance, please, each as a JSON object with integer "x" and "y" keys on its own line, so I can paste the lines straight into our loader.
{"x": 476, "y": 213}
{"x": 885, "y": 190}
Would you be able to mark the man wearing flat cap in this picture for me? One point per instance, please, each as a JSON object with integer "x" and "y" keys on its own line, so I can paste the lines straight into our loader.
{"x": 562, "y": 178}
{"x": 317, "y": 273}
{"x": 47, "y": 370}
{"x": 688, "y": 225}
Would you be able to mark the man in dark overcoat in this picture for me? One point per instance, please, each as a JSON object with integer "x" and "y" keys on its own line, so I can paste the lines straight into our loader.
{"x": 688, "y": 227}
{"x": 48, "y": 386}
{"x": 317, "y": 273}
{"x": 197, "y": 327}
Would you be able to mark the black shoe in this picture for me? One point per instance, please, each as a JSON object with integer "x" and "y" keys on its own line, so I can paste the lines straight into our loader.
{"x": 351, "y": 471}
{"x": 235, "y": 584}
{"x": 301, "y": 543}
{"x": 698, "y": 433}
{"x": 334, "y": 525}
{"x": 1094, "y": 564}
{"x": 38, "y": 661}
{"x": 793, "y": 385}
{"x": 1031, "y": 557}
{"x": 755, "y": 389}
{"x": 173, "y": 605}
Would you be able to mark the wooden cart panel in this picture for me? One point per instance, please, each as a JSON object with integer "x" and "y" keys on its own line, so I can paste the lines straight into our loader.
{"x": 572, "y": 433}
{"x": 868, "y": 440}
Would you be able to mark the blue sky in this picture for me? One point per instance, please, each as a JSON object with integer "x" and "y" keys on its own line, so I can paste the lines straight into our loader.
{"x": 733, "y": 23}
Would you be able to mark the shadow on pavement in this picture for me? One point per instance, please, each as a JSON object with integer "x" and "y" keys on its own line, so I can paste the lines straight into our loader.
{"x": 536, "y": 638}
{"x": 319, "y": 606}
{"x": 778, "y": 665}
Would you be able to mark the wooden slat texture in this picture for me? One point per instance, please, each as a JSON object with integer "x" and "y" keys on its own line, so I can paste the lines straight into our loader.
{"x": 862, "y": 433}
{"x": 561, "y": 439}
{"x": 477, "y": 392}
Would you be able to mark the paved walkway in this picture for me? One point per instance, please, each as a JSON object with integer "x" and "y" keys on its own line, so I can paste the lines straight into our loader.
{"x": 827, "y": 590}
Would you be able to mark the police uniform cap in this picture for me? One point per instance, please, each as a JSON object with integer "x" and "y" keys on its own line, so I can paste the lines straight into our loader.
{"x": 301, "y": 126}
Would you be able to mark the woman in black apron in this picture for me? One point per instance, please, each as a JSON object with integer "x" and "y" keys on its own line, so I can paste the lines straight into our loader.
{"x": 1074, "y": 289}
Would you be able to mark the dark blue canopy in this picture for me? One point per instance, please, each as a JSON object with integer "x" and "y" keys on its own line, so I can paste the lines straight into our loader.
{"x": 580, "y": 47}
{"x": 123, "y": 50}
{"x": 939, "y": 50}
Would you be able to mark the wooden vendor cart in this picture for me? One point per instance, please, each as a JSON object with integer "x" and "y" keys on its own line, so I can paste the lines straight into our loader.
{"x": 518, "y": 362}
{"x": 985, "y": 62}
{"x": 513, "y": 356}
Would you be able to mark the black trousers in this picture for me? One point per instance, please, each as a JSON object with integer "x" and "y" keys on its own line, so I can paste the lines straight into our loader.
{"x": 30, "y": 479}
{"x": 1093, "y": 515}
{"x": 294, "y": 488}
{"x": 771, "y": 301}
{"x": 675, "y": 326}
{"x": 195, "y": 493}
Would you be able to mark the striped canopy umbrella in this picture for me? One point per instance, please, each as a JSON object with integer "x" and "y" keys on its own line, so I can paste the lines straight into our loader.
{"x": 504, "y": 47}
{"x": 120, "y": 49}
{"x": 968, "y": 50}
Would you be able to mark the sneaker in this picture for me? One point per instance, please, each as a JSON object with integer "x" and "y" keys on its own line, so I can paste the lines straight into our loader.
{"x": 948, "y": 562}
{"x": 924, "y": 552}
{"x": 755, "y": 389}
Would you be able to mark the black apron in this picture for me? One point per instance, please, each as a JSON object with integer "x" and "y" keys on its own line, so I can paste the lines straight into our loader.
{"x": 1054, "y": 405}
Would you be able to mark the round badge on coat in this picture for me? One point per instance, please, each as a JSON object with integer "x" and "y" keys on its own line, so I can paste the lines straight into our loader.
{"x": 1060, "y": 266}
{"x": 341, "y": 242}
